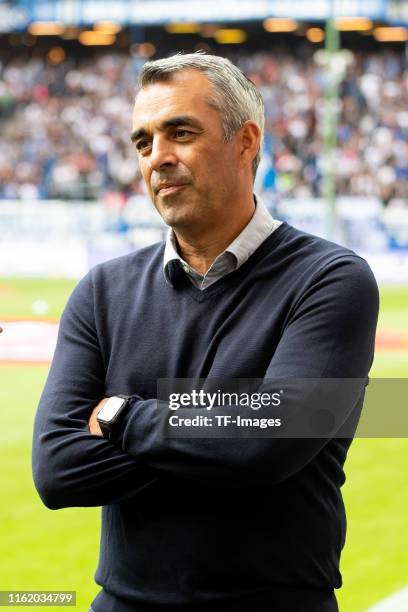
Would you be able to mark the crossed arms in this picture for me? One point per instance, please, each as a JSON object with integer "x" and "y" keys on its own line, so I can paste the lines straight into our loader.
{"x": 330, "y": 334}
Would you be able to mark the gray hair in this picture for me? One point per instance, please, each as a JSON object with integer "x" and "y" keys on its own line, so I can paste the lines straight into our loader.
{"x": 233, "y": 95}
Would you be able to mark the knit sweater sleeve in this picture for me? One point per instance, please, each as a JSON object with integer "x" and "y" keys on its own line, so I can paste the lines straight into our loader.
{"x": 72, "y": 467}
{"x": 329, "y": 333}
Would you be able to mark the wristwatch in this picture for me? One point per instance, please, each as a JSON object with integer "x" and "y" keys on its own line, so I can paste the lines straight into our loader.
{"x": 109, "y": 414}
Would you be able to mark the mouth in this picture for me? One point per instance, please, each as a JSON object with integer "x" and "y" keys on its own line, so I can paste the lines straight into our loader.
{"x": 170, "y": 190}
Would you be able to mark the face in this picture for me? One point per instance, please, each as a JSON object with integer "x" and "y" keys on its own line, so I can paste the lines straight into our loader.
{"x": 191, "y": 174}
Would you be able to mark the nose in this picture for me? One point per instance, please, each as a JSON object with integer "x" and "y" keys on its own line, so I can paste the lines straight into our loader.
{"x": 162, "y": 153}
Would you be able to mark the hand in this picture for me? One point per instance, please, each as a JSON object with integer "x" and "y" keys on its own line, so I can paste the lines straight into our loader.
{"x": 93, "y": 423}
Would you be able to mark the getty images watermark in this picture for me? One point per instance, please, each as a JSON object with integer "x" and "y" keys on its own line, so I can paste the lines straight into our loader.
{"x": 210, "y": 400}
{"x": 282, "y": 408}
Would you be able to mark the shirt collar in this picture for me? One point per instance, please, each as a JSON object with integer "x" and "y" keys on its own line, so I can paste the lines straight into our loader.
{"x": 253, "y": 234}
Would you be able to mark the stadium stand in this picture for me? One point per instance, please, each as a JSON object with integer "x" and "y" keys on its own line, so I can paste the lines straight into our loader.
{"x": 66, "y": 126}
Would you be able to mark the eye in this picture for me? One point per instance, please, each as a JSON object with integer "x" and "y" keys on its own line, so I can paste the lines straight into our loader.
{"x": 182, "y": 133}
{"x": 142, "y": 145}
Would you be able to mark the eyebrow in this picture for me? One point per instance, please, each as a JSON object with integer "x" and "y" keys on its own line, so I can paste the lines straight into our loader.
{"x": 173, "y": 122}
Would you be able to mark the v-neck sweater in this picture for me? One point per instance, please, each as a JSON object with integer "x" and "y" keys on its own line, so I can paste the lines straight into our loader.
{"x": 197, "y": 524}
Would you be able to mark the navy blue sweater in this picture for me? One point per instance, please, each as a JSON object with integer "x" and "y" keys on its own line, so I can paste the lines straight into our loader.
{"x": 188, "y": 522}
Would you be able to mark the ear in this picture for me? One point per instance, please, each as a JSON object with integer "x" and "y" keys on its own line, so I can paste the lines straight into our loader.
{"x": 250, "y": 142}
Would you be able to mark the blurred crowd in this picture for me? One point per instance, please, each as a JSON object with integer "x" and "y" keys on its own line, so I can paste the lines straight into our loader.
{"x": 65, "y": 128}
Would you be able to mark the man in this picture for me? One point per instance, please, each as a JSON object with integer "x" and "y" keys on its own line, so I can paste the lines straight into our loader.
{"x": 204, "y": 523}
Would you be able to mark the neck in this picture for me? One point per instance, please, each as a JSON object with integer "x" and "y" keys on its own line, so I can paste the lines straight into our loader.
{"x": 200, "y": 250}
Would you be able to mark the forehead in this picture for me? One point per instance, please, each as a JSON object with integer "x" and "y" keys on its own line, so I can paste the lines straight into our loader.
{"x": 186, "y": 92}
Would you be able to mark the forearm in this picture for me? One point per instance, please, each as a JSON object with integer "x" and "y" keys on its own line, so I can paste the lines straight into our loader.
{"x": 72, "y": 467}
{"x": 242, "y": 457}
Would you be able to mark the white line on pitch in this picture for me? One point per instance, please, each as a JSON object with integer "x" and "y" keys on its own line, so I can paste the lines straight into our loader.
{"x": 398, "y": 602}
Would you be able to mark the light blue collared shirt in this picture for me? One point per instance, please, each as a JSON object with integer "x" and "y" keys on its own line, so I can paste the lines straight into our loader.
{"x": 261, "y": 225}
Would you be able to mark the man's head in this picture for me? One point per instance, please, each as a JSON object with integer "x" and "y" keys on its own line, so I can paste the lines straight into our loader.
{"x": 233, "y": 95}
{"x": 197, "y": 126}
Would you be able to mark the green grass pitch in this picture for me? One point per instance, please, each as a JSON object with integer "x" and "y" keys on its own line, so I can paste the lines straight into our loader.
{"x": 45, "y": 550}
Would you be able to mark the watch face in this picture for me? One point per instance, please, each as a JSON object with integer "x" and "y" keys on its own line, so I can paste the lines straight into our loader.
{"x": 110, "y": 409}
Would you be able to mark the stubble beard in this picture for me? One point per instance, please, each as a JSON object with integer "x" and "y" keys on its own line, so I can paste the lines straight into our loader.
{"x": 177, "y": 211}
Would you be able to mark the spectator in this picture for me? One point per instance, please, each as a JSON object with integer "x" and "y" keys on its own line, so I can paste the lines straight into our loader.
{"x": 66, "y": 131}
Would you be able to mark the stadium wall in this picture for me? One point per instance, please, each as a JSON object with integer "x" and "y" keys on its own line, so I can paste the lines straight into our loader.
{"x": 65, "y": 239}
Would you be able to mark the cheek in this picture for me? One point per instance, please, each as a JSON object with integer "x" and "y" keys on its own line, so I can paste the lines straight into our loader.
{"x": 220, "y": 170}
{"x": 208, "y": 167}
{"x": 145, "y": 172}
